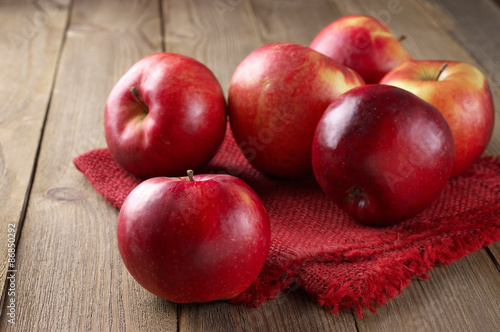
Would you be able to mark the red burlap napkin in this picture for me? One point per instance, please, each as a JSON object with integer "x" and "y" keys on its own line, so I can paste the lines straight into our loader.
{"x": 318, "y": 248}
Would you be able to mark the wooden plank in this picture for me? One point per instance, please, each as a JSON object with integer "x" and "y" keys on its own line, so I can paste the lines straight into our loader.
{"x": 495, "y": 254}
{"x": 220, "y": 34}
{"x": 70, "y": 276}
{"x": 426, "y": 39}
{"x": 30, "y": 39}
{"x": 472, "y": 24}
{"x": 292, "y": 312}
{"x": 293, "y": 21}
{"x": 446, "y": 302}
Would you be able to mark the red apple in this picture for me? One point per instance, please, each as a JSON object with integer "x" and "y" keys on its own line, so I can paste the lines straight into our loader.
{"x": 194, "y": 239}
{"x": 461, "y": 93}
{"x": 165, "y": 115}
{"x": 362, "y": 43}
{"x": 276, "y": 98}
{"x": 382, "y": 154}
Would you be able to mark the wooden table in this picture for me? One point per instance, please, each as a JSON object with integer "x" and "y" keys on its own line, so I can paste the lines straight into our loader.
{"x": 58, "y": 61}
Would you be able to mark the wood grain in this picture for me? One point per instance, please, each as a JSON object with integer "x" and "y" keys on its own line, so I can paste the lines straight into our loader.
{"x": 219, "y": 33}
{"x": 30, "y": 39}
{"x": 70, "y": 276}
{"x": 445, "y": 302}
{"x": 293, "y": 21}
{"x": 293, "y": 312}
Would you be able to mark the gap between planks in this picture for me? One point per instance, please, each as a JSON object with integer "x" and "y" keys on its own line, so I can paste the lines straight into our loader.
{"x": 25, "y": 203}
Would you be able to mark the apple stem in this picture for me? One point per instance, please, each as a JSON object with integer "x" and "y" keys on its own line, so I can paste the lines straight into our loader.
{"x": 401, "y": 38}
{"x": 141, "y": 103}
{"x": 443, "y": 67}
{"x": 190, "y": 175}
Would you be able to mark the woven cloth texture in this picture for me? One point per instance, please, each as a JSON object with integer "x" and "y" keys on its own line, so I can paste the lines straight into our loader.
{"x": 318, "y": 248}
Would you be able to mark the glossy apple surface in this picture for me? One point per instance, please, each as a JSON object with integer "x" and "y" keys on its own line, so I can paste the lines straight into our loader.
{"x": 194, "y": 241}
{"x": 165, "y": 115}
{"x": 276, "y": 98}
{"x": 382, "y": 154}
{"x": 461, "y": 93}
{"x": 362, "y": 43}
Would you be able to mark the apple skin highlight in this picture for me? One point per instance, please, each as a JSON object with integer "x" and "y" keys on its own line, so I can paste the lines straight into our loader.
{"x": 167, "y": 114}
{"x": 195, "y": 240}
{"x": 382, "y": 154}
